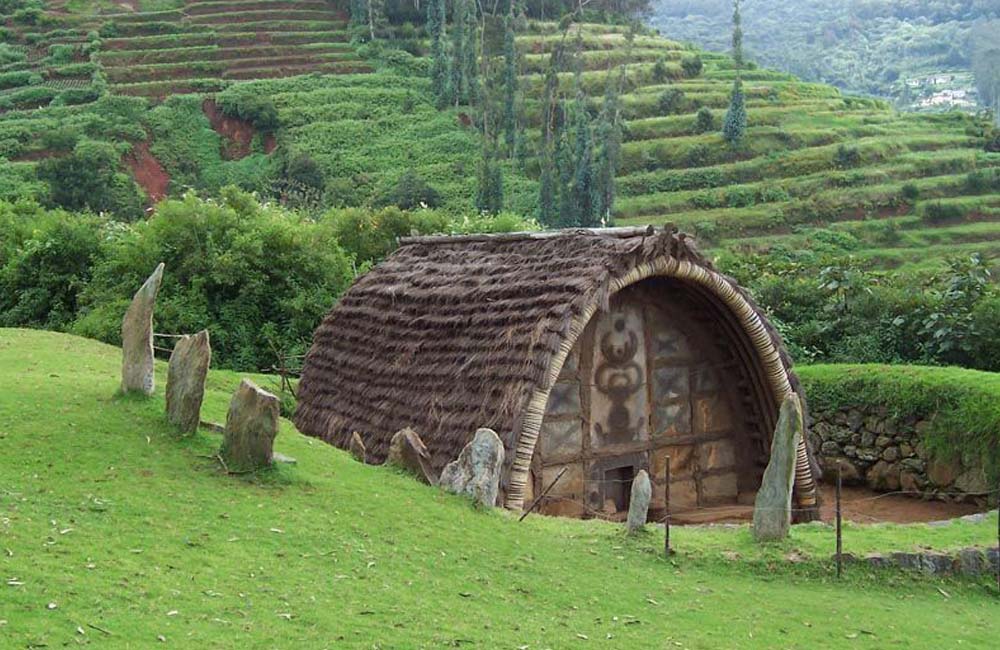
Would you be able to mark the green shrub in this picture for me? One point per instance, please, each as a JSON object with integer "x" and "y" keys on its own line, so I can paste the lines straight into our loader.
{"x": 704, "y": 121}
{"x": 660, "y": 74}
{"x": 910, "y": 192}
{"x": 89, "y": 179}
{"x": 938, "y": 212}
{"x": 372, "y": 234}
{"x": 243, "y": 103}
{"x": 692, "y": 66}
{"x": 49, "y": 258}
{"x": 254, "y": 275}
{"x": 410, "y": 192}
{"x": 846, "y": 157}
{"x": 671, "y": 101}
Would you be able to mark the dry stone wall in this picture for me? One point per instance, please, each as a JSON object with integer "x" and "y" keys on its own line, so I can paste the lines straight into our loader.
{"x": 874, "y": 448}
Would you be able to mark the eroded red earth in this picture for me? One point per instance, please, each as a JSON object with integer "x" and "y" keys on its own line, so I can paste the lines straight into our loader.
{"x": 237, "y": 134}
{"x": 148, "y": 172}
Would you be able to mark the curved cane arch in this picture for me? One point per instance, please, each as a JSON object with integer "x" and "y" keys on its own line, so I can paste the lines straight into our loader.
{"x": 716, "y": 285}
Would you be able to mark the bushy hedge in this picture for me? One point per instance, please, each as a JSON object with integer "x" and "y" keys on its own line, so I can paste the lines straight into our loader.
{"x": 962, "y": 406}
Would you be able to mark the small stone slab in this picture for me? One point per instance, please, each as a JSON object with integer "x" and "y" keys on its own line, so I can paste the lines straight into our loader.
{"x": 278, "y": 457}
{"x": 357, "y": 448}
{"x": 137, "y": 337}
{"x": 476, "y": 471}
{"x": 638, "y": 503}
{"x": 186, "y": 380}
{"x": 251, "y": 426}
{"x": 408, "y": 452}
{"x": 772, "y": 512}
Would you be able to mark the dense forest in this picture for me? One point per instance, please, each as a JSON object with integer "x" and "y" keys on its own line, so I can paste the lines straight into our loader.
{"x": 919, "y": 53}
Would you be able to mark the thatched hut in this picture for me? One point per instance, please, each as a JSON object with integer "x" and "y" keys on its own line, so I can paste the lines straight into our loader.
{"x": 602, "y": 352}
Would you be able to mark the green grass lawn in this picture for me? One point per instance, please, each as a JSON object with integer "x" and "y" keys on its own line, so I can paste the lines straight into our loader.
{"x": 114, "y": 531}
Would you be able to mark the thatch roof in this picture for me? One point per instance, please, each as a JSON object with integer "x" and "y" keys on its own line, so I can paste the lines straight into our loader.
{"x": 451, "y": 334}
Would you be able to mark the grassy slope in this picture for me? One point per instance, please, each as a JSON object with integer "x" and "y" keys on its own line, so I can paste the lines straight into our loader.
{"x": 107, "y": 514}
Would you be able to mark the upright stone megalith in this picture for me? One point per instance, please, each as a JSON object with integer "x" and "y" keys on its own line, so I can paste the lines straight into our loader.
{"x": 476, "y": 471}
{"x": 408, "y": 452}
{"x": 357, "y": 448}
{"x": 251, "y": 426}
{"x": 137, "y": 337}
{"x": 186, "y": 380}
{"x": 772, "y": 511}
{"x": 638, "y": 503}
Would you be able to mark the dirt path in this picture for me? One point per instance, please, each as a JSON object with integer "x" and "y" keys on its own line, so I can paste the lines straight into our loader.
{"x": 859, "y": 505}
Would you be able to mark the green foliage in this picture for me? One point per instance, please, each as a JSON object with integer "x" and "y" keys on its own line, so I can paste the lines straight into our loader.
{"x": 411, "y": 192}
{"x": 254, "y": 275}
{"x": 961, "y": 405}
{"x": 370, "y": 235}
{"x": 258, "y": 110}
{"x": 671, "y": 101}
{"x": 89, "y": 179}
{"x": 46, "y": 258}
{"x": 847, "y": 157}
{"x": 734, "y": 127}
{"x": 704, "y": 121}
{"x": 692, "y": 66}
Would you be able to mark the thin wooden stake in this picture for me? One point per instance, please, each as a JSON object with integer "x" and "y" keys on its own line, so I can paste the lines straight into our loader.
{"x": 998, "y": 536}
{"x": 840, "y": 542}
{"x": 541, "y": 496}
{"x": 666, "y": 507}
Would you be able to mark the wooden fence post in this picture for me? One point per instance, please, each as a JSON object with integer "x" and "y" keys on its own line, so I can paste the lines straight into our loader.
{"x": 666, "y": 506}
{"x": 840, "y": 542}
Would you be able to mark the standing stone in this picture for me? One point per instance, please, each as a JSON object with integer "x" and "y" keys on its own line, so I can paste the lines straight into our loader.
{"x": 186, "y": 380}
{"x": 638, "y": 503}
{"x": 476, "y": 471}
{"x": 137, "y": 337}
{"x": 772, "y": 512}
{"x": 357, "y": 448}
{"x": 408, "y": 452}
{"x": 251, "y": 426}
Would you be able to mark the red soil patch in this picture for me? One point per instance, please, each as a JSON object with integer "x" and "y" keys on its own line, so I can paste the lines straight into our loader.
{"x": 237, "y": 134}
{"x": 148, "y": 172}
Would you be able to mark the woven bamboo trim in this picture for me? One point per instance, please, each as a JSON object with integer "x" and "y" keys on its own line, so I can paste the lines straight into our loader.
{"x": 660, "y": 267}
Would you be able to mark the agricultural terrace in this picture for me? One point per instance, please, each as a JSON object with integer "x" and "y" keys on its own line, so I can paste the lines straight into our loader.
{"x": 176, "y": 88}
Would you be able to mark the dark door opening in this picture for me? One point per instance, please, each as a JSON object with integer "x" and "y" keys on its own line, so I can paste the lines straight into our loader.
{"x": 618, "y": 486}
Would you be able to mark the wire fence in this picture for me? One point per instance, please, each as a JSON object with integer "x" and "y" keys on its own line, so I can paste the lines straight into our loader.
{"x": 674, "y": 515}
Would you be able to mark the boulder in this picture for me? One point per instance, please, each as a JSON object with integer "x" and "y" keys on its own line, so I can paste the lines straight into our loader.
{"x": 772, "y": 512}
{"x": 408, "y": 452}
{"x": 251, "y": 426}
{"x": 971, "y": 562}
{"x": 883, "y": 476}
{"x": 973, "y": 481}
{"x": 137, "y": 337}
{"x": 357, "y": 448}
{"x": 638, "y": 503}
{"x": 943, "y": 472}
{"x": 476, "y": 472}
{"x": 848, "y": 471}
{"x": 186, "y": 380}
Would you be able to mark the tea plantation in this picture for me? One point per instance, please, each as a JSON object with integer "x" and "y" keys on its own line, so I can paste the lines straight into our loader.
{"x": 895, "y": 189}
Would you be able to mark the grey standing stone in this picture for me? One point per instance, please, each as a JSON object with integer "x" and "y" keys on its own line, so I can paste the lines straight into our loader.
{"x": 186, "y": 380}
{"x": 137, "y": 337}
{"x": 408, "y": 452}
{"x": 638, "y": 504}
{"x": 476, "y": 471}
{"x": 772, "y": 512}
{"x": 251, "y": 426}
{"x": 357, "y": 448}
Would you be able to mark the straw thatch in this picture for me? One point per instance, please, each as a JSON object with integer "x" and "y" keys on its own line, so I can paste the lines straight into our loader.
{"x": 452, "y": 334}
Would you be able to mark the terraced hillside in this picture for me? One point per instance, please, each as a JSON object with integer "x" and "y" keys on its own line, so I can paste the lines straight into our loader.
{"x": 817, "y": 169}
{"x": 899, "y": 187}
{"x": 186, "y": 47}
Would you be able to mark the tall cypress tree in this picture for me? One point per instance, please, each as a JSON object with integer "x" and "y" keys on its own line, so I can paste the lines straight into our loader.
{"x": 459, "y": 41}
{"x": 509, "y": 85}
{"x": 737, "y": 35}
{"x": 565, "y": 166}
{"x": 548, "y": 187}
{"x": 608, "y": 157}
{"x": 583, "y": 175}
{"x": 436, "y": 17}
{"x": 735, "y": 125}
{"x": 470, "y": 64}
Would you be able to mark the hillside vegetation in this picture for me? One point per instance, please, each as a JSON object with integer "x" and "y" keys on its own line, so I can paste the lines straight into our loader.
{"x": 917, "y": 53}
{"x": 117, "y": 532}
